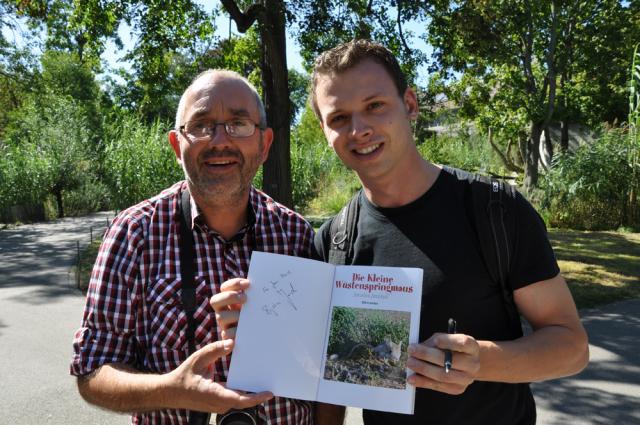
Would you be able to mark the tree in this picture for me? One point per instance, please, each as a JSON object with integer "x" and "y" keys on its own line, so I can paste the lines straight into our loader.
{"x": 518, "y": 52}
{"x": 270, "y": 16}
{"x": 513, "y": 44}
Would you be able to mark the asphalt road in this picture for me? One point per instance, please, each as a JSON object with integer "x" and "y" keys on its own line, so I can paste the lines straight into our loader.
{"x": 40, "y": 309}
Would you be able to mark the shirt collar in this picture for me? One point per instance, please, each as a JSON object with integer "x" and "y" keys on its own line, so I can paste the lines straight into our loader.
{"x": 253, "y": 211}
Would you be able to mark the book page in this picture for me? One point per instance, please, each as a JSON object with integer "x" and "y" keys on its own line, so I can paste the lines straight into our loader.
{"x": 280, "y": 335}
{"x": 375, "y": 314}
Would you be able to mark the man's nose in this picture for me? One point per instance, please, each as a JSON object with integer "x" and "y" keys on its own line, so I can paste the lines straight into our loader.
{"x": 218, "y": 135}
{"x": 360, "y": 127}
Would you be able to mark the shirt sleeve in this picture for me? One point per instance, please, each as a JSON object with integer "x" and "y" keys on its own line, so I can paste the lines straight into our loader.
{"x": 107, "y": 333}
{"x": 534, "y": 259}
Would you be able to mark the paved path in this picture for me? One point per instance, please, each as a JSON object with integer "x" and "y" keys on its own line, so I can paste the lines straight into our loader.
{"x": 40, "y": 309}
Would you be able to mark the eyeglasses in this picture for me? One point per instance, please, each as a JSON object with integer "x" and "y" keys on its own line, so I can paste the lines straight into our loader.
{"x": 203, "y": 130}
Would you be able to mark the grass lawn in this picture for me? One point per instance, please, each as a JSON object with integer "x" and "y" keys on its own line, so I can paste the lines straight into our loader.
{"x": 600, "y": 267}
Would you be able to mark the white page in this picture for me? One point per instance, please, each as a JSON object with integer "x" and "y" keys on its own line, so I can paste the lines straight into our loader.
{"x": 280, "y": 336}
{"x": 396, "y": 295}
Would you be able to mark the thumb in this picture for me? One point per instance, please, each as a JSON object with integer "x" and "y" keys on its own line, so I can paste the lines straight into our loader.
{"x": 212, "y": 352}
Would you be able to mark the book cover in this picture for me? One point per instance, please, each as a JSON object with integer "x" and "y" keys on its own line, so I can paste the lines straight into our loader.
{"x": 337, "y": 334}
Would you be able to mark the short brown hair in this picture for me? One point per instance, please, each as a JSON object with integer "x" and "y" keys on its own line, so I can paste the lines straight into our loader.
{"x": 347, "y": 55}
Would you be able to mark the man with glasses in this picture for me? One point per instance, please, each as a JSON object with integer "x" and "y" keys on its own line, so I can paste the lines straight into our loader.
{"x": 135, "y": 351}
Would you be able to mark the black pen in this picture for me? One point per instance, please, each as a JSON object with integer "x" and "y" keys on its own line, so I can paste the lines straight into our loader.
{"x": 451, "y": 329}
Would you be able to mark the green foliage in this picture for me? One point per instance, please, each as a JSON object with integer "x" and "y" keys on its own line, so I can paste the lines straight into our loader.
{"x": 313, "y": 163}
{"x": 139, "y": 160}
{"x": 589, "y": 188}
{"x": 343, "y": 332}
{"x": 351, "y": 326}
{"x": 24, "y": 175}
{"x": 466, "y": 151}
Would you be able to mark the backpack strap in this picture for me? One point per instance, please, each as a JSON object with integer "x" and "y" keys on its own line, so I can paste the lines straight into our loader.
{"x": 343, "y": 231}
{"x": 493, "y": 214}
{"x": 500, "y": 210}
{"x": 188, "y": 291}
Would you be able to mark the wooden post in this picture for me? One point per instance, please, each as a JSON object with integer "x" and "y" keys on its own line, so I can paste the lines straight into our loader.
{"x": 78, "y": 264}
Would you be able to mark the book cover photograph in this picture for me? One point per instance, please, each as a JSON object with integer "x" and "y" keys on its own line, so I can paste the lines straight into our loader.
{"x": 368, "y": 347}
{"x": 336, "y": 334}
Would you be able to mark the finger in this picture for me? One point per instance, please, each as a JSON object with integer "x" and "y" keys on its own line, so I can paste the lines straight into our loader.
{"x": 235, "y": 284}
{"x": 227, "y": 318}
{"x": 229, "y": 333}
{"x": 241, "y": 399}
{"x": 421, "y": 381}
{"x": 227, "y": 300}
{"x": 212, "y": 352}
{"x": 426, "y": 353}
{"x": 250, "y": 400}
{"x": 460, "y": 343}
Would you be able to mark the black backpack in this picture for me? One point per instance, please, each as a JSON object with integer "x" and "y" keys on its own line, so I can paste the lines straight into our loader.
{"x": 490, "y": 202}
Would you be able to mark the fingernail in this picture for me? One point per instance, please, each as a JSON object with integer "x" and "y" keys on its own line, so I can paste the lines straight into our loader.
{"x": 227, "y": 344}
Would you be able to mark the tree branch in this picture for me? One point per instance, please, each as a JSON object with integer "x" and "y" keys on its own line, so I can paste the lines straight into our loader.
{"x": 243, "y": 20}
{"x": 399, "y": 20}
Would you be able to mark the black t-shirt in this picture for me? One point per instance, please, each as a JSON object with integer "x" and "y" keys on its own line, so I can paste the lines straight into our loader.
{"x": 435, "y": 232}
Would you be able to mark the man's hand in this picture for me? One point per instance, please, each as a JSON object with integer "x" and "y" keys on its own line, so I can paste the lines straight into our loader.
{"x": 227, "y": 305}
{"x": 193, "y": 388}
{"x": 121, "y": 388}
{"x": 427, "y": 359}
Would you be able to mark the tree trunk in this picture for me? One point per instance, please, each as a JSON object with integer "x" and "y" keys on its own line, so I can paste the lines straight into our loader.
{"x": 532, "y": 157}
{"x": 564, "y": 135}
{"x": 275, "y": 83}
{"x": 270, "y": 17}
{"x": 548, "y": 145}
{"x": 58, "y": 195}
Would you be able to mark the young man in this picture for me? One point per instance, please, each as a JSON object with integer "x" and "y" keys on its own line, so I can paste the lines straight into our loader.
{"x": 413, "y": 214}
{"x": 132, "y": 352}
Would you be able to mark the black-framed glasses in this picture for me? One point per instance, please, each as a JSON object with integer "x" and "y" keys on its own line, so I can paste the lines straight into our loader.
{"x": 204, "y": 130}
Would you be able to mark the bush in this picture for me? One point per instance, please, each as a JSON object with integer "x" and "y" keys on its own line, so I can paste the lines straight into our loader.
{"x": 313, "y": 162}
{"x": 588, "y": 189}
{"x": 466, "y": 151}
{"x": 91, "y": 196}
{"x": 139, "y": 161}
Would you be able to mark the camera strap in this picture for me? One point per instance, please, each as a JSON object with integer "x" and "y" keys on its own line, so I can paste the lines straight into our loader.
{"x": 188, "y": 291}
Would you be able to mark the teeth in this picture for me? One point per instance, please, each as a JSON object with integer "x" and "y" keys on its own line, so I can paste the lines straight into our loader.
{"x": 367, "y": 150}
{"x": 219, "y": 162}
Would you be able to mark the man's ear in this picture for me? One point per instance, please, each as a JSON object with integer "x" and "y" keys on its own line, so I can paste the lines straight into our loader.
{"x": 411, "y": 103}
{"x": 267, "y": 140}
{"x": 175, "y": 144}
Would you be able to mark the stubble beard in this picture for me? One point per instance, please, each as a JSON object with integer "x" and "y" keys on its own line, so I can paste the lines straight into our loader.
{"x": 224, "y": 190}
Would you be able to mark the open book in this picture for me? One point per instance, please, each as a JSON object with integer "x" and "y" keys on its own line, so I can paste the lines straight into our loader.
{"x": 336, "y": 334}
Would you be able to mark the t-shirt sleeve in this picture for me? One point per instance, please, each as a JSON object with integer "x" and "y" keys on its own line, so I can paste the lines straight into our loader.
{"x": 107, "y": 332}
{"x": 534, "y": 260}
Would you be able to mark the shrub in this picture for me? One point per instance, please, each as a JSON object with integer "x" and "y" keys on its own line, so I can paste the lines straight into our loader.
{"x": 139, "y": 161}
{"x": 588, "y": 189}
{"x": 313, "y": 162}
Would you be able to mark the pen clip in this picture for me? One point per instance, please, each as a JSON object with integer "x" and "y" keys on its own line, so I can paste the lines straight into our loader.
{"x": 451, "y": 326}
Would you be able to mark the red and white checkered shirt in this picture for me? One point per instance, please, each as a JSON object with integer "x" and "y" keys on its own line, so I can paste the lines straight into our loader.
{"x": 134, "y": 314}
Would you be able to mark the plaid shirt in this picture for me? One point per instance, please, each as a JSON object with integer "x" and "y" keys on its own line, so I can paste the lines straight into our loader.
{"x": 133, "y": 313}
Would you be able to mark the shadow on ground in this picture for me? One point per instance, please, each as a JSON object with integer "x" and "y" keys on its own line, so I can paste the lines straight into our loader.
{"x": 41, "y": 256}
{"x": 608, "y": 390}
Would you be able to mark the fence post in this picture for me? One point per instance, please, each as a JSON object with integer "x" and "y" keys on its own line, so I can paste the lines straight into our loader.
{"x": 78, "y": 264}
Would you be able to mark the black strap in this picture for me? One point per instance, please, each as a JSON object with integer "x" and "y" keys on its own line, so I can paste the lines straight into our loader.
{"x": 188, "y": 292}
{"x": 343, "y": 231}
{"x": 497, "y": 212}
